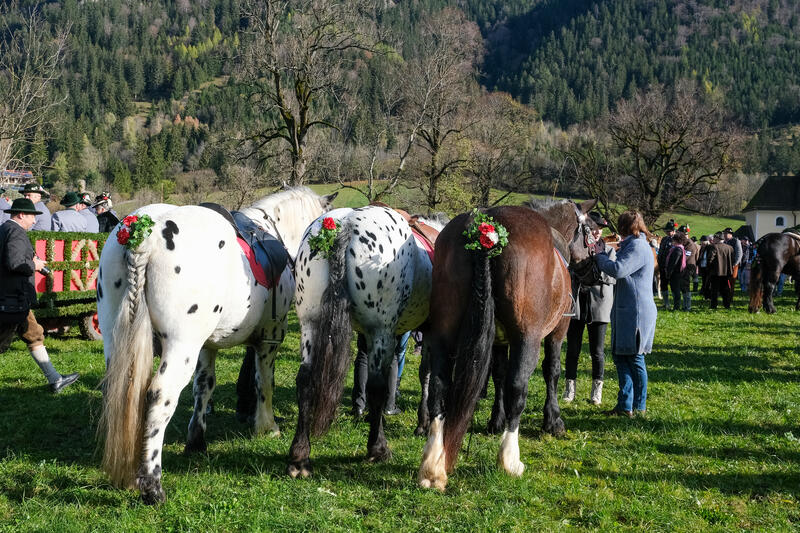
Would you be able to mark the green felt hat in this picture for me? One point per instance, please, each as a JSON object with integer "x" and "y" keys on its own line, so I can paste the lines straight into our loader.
{"x": 70, "y": 199}
{"x": 22, "y": 205}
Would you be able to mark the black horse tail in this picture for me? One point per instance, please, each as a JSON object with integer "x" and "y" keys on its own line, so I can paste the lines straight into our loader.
{"x": 332, "y": 338}
{"x": 756, "y": 286}
{"x": 473, "y": 356}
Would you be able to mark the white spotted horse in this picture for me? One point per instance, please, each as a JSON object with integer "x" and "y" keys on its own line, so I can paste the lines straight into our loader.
{"x": 485, "y": 308}
{"x": 190, "y": 286}
{"x": 376, "y": 281}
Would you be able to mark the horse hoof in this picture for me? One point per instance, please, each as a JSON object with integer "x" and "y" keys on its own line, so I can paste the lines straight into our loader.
{"x": 555, "y": 428}
{"x": 380, "y": 455}
{"x": 419, "y": 431}
{"x": 437, "y": 483}
{"x": 299, "y": 468}
{"x": 151, "y": 491}
{"x": 195, "y": 446}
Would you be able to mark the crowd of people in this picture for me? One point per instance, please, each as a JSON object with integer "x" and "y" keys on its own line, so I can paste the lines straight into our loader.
{"x": 81, "y": 211}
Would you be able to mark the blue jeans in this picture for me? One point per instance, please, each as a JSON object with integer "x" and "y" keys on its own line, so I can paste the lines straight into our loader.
{"x": 632, "y": 374}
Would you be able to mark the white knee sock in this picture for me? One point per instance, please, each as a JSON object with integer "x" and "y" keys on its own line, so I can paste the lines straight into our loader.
{"x": 39, "y": 355}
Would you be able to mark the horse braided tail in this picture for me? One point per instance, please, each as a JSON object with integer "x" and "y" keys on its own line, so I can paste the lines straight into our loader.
{"x": 127, "y": 376}
{"x": 473, "y": 356}
{"x": 332, "y": 338}
{"x": 756, "y": 285}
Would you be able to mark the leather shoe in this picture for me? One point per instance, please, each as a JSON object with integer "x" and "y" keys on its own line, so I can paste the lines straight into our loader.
{"x": 358, "y": 413}
{"x": 618, "y": 412}
{"x": 64, "y": 381}
{"x": 393, "y": 411}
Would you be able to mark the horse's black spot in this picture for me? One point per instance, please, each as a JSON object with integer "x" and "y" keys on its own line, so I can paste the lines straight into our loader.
{"x": 352, "y": 252}
{"x": 187, "y": 361}
{"x": 359, "y": 273}
{"x": 118, "y": 283}
{"x": 155, "y": 454}
{"x": 248, "y": 297}
{"x": 169, "y": 231}
{"x": 99, "y": 291}
{"x": 363, "y": 285}
{"x": 380, "y": 283}
{"x": 371, "y": 235}
{"x": 166, "y": 404}
{"x": 177, "y": 269}
{"x": 152, "y": 396}
{"x": 380, "y": 247}
{"x": 221, "y": 244}
{"x": 210, "y": 382}
{"x": 157, "y": 469}
{"x": 235, "y": 330}
{"x": 162, "y": 368}
{"x": 390, "y": 216}
{"x": 356, "y": 232}
{"x": 220, "y": 308}
{"x": 215, "y": 308}
{"x": 308, "y": 272}
{"x": 362, "y": 240}
{"x": 192, "y": 309}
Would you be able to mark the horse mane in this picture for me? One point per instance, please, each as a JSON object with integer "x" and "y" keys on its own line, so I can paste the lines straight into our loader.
{"x": 436, "y": 220}
{"x": 291, "y": 210}
{"x": 554, "y": 212}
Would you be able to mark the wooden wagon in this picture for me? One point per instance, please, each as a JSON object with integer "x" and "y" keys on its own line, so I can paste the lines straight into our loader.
{"x": 69, "y": 292}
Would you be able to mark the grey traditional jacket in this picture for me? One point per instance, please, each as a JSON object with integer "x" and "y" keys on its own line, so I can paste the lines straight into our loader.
{"x": 43, "y": 222}
{"x": 633, "y": 315}
{"x": 91, "y": 220}
{"x": 595, "y": 301}
{"x": 68, "y": 220}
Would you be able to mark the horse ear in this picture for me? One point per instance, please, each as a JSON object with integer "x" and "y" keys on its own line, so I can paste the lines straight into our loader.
{"x": 587, "y": 205}
{"x": 328, "y": 200}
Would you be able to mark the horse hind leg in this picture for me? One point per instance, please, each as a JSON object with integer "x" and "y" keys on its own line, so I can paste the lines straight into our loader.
{"x": 299, "y": 452}
{"x": 552, "y": 422}
{"x": 522, "y": 361}
{"x": 265, "y": 387}
{"x": 175, "y": 371}
{"x": 432, "y": 470}
{"x": 423, "y": 416}
{"x": 204, "y": 383}
{"x": 499, "y": 368}
{"x": 381, "y": 351}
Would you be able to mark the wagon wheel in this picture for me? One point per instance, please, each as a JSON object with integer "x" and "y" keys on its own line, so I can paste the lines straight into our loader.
{"x": 90, "y": 328}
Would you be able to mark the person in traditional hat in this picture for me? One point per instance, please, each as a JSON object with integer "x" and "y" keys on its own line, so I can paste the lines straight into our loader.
{"x": 3, "y": 206}
{"x": 84, "y": 208}
{"x": 106, "y": 217}
{"x": 734, "y": 243}
{"x": 35, "y": 192}
{"x": 681, "y": 281}
{"x": 69, "y": 219}
{"x": 661, "y": 257}
{"x": 18, "y": 262}
{"x": 721, "y": 272}
{"x": 593, "y": 314}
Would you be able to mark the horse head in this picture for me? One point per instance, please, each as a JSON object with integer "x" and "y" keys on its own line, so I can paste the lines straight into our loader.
{"x": 583, "y": 244}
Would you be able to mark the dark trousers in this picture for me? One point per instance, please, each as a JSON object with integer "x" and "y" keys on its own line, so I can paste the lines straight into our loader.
{"x": 721, "y": 286}
{"x": 597, "y": 338}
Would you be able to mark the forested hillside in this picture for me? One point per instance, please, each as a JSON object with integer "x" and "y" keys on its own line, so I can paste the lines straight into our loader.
{"x": 145, "y": 86}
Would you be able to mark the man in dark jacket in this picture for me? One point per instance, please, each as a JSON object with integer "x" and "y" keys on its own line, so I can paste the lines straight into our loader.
{"x": 721, "y": 272}
{"x": 17, "y": 293}
{"x": 663, "y": 249}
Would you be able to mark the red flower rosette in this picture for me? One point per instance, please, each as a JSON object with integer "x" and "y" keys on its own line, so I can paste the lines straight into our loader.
{"x": 485, "y": 241}
{"x": 123, "y": 235}
{"x": 328, "y": 223}
{"x": 130, "y": 219}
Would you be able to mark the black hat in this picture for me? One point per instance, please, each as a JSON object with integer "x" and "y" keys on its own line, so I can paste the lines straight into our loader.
{"x": 598, "y": 219}
{"x": 86, "y": 198}
{"x": 22, "y": 205}
{"x": 671, "y": 225}
{"x": 34, "y": 187}
{"x": 70, "y": 199}
{"x": 685, "y": 229}
{"x": 694, "y": 239}
{"x": 103, "y": 199}
{"x": 727, "y": 230}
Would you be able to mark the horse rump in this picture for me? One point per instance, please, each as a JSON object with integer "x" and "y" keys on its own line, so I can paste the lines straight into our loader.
{"x": 333, "y": 334}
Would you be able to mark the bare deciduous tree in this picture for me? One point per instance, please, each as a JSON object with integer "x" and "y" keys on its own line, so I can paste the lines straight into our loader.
{"x": 241, "y": 184}
{"x": 499, "y": 146}
{"x": 440, "y": 89}
{"x": 295, "y": 55}
{"x": 30, "y": 65}
{"x": 675, "y": 149}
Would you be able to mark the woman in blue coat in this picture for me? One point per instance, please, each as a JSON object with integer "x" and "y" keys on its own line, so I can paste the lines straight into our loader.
{"x": 633, "y": 315}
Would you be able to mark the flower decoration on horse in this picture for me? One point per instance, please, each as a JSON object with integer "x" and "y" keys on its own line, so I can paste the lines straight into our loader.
{"x": 134, "y": 230}
{"x": 485, "y": 234}
{"x": 322, "y": 242}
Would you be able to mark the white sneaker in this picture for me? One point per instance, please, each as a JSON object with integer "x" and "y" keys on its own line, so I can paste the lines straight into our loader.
{"x": 597, "y": 391}
{"x": 569, "y": 391}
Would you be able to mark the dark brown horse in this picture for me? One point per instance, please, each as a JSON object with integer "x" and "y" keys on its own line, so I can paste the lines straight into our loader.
{"x": 777, "y": 253}
{"x": 515, "y": 299}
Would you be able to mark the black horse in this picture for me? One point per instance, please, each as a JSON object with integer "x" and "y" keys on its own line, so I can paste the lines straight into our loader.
{"x": 778, "y": 253}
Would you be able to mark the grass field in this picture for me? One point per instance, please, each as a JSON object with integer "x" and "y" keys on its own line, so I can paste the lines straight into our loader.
{"x": 719, "y": 450}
